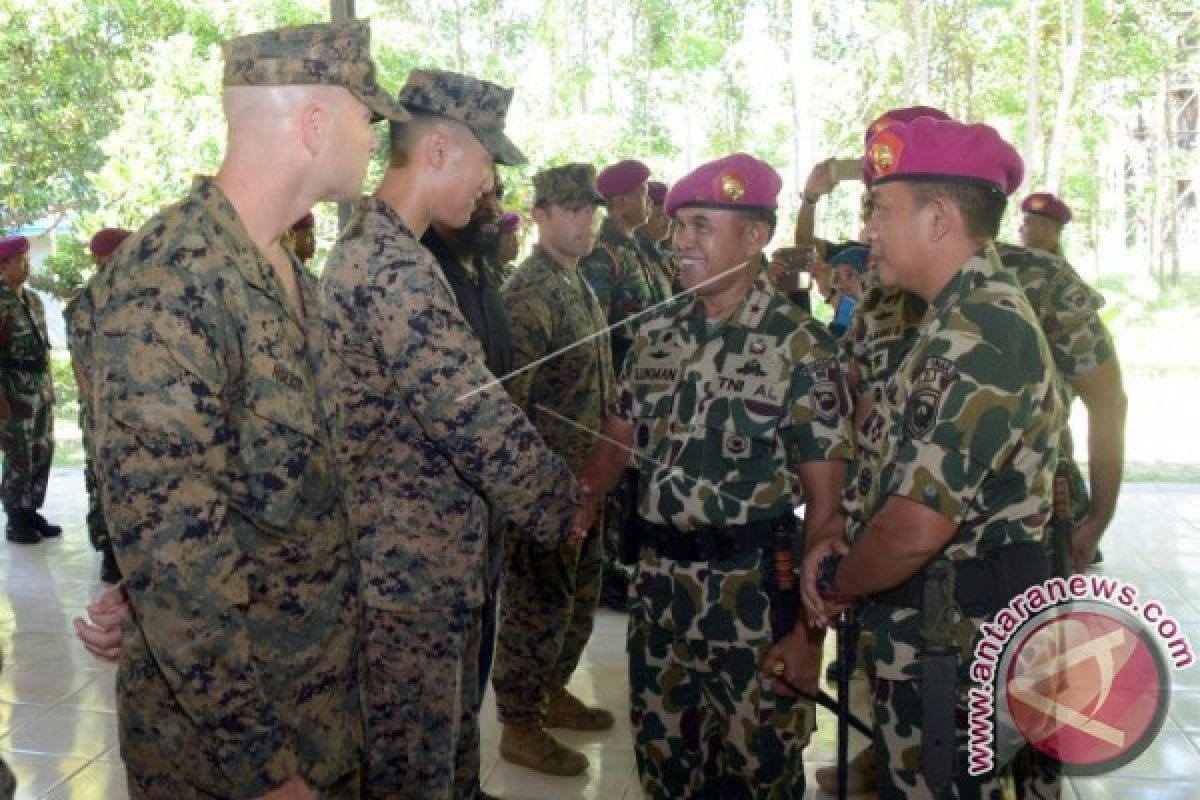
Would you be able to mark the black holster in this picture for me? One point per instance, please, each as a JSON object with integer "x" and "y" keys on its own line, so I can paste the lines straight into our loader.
{"x": 939, "y": 687}
{"x": 629, "y": 538}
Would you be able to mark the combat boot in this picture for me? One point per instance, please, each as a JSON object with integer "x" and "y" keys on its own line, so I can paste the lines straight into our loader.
{"x": 42, "y": 526}
{"x": 19, "y": 531}
{"x": 529, "y": 745}
{"x": 860, "y": 777}
{"x": 565, "y": 710}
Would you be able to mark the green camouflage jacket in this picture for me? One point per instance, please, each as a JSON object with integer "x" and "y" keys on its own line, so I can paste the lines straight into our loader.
{"x": 625, "y": 282}
{"x": 724, "y": 413}
{"x": 24, "y": 350}
{"x": 968, "y": 427}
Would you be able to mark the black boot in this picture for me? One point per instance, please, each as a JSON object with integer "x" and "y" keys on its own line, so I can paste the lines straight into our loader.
{"x": 19, "y": 530}
{"x": 39, "y": 524}
{"x": 110, "y": 572}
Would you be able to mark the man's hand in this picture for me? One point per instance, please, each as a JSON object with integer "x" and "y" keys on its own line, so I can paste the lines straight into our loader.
{"x": 293, "y": 789}
{"x": 819, "y": 610}
{"x": 584, "y": 517}
{"x": 101, "y": 635}
{"x": 799, "y": 653}
{"x": 1084, "y": 541}
{"x": 820, "y": 180}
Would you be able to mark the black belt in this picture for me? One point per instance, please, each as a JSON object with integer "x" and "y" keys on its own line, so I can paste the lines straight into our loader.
{"x": 24, "y": 364}
{"x": 982, "y": 585}
{"x": 708, "y": 544}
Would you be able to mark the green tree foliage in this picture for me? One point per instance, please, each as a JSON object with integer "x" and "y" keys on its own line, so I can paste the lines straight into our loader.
{"x": 117, "y": 102}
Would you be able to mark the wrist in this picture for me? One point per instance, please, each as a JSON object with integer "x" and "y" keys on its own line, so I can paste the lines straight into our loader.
{"x": 810, "y": 198}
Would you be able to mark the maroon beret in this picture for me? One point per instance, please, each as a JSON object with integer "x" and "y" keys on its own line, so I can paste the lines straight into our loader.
{"x": 106, "y": 240}
{"x": 657, "y": 192}
{"x": 932, "y": 149}
{"x": 738, "y": 182}
{"x": 905, "y": 115}
{"x": 305, "y": 222}
{"x": 1047, "y": 205}
{"x": 622, "y": 177}
{"x": 13, "y": 246}
{"x": 509, "y": 222}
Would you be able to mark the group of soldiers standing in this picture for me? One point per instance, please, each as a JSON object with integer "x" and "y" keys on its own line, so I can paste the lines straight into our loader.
{"x": 313, "y": 489}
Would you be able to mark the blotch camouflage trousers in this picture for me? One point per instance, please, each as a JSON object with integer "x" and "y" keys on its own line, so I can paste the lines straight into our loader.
{"x": 547, "y": 611}
{"x": 27, "y": 439}
{"x": 897, "y": 709}
{"x": 422, "y": 721}
{"x": 706, "y": 723}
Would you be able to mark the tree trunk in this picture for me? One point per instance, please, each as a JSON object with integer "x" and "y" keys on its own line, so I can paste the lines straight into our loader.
{"x": 801, "y": 64}
{"x": 918, "y": 29}
{"x": 1072, "y": 55}
{"x": 1033, "y": 112}
{"x": 584, "y": 15}
{"x": 1158, "y": 170}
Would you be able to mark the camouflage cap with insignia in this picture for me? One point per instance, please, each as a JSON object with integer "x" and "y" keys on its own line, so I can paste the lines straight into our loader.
{"x": 328, "y": 54}
{"x": 570, "y": 186}
{"x": 480, "y": 105}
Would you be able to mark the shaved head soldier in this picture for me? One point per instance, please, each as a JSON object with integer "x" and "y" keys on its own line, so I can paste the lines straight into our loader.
{"x": 239, "y": 676}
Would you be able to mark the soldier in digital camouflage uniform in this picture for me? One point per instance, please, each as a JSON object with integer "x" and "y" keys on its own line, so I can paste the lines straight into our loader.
{"x": 101, "y": 246}
{"x": 549, "y": 602}
{"x": 428, "y": 438}
{"x": 724, "y": 402}
{"x": 961, "y": 448}
{"x": 26, "y": 398}
{"x": 215, "y": 455}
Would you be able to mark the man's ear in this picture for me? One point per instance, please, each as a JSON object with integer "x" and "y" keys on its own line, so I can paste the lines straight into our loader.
{"x": 942, "y": 215}
{"x": 435, "y": 147}
{"x": 314, "y": 127}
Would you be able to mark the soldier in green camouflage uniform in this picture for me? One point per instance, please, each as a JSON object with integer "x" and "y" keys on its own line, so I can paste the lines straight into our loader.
{"x": 26, "y": 398}
{"x": 724, "y": 402}
{"x": 627, "y": 280}
{"x": 102, "y": 246}
{"x": 428, "y": 439}
{"x": 549, "y": 601}
{"x": 1069, "y": 313}
{"x": 960, "y": 449}
{"x": 651, "y": 236}
{"x": 239, "y": 676}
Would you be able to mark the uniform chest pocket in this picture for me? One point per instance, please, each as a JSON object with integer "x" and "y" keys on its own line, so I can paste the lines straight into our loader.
{"x": 736, "y": 455}
{"x": 287, "y": 466}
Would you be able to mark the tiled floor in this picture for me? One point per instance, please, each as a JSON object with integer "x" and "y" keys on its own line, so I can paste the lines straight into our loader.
{"x": 57, "y": 722}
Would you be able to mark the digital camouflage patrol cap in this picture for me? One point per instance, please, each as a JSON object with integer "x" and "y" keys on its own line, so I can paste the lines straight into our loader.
{"x": 480, "y": 105}
{"x": 570, "y": 186}
{"x": 329, "y": 54}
